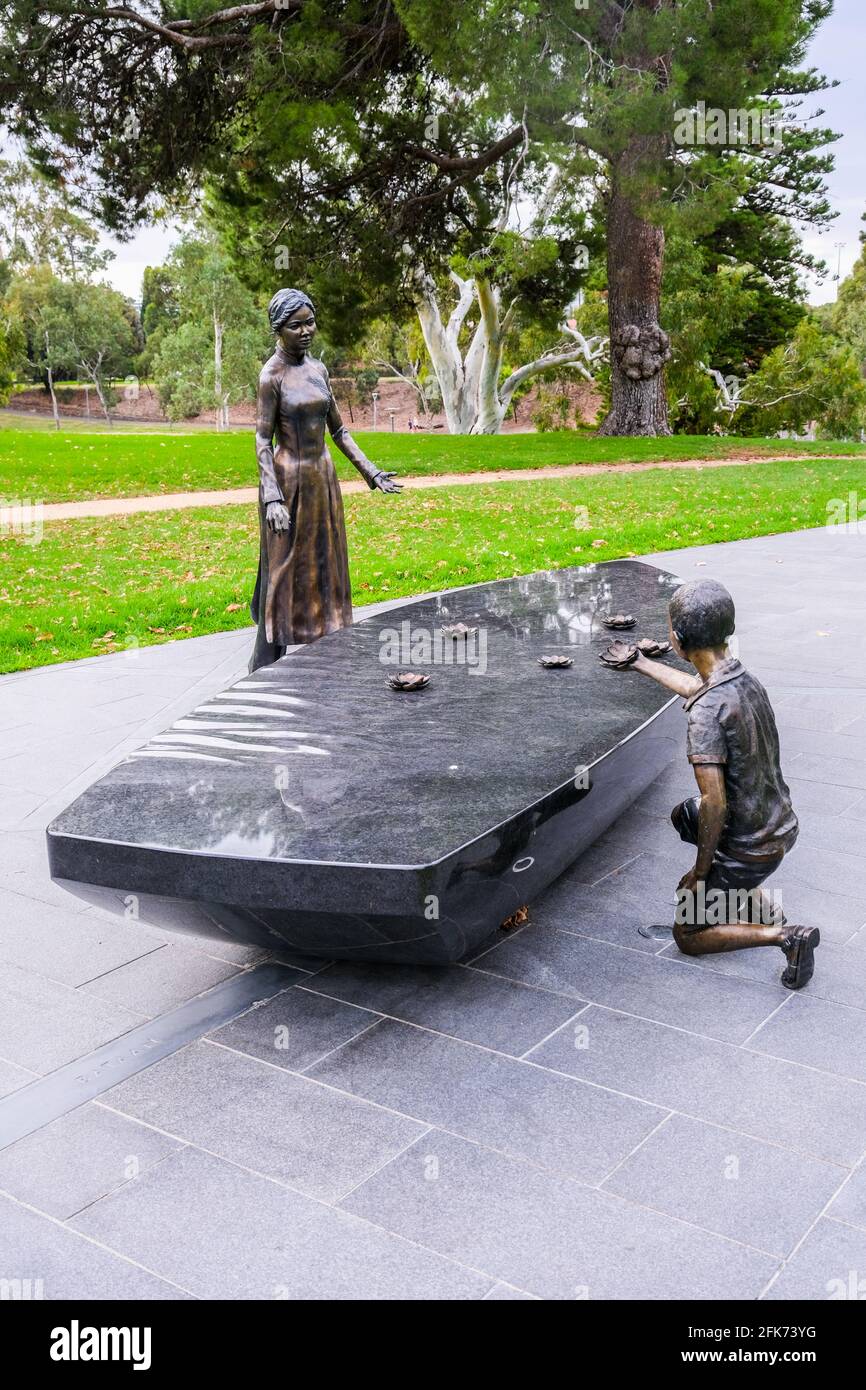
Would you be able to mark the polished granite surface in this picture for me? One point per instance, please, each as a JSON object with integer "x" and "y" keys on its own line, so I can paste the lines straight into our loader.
{"x": 315, "y": 759}
{"x": 314, "y": 805}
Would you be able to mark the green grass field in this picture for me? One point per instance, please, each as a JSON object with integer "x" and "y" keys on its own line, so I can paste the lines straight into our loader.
{"x": 103, "y": 585}
{"x": 68, "y": 466}
{"x": 12, "y": 419}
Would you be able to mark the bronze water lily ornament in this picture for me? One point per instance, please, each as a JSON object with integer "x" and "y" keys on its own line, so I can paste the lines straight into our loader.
{"x": 409, "y": 680}
{"x": 648, "y": 646}
{"x": 619, "y": 655}
{"x": 556, "y": 662}
{"x": 458, "y": 630}
{"x": 619, "y": 622}
{"x": 517, "y": 919}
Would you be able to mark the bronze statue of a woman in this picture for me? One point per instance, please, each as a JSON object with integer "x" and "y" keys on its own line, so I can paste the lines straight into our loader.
{"x": 302, "y": 589}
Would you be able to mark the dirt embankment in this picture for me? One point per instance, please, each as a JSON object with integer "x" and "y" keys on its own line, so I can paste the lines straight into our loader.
{"x": 396, "y": 402}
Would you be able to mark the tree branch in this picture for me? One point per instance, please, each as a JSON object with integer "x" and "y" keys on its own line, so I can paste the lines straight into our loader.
{"x": 552, "y": 359}
{"x": 183, "y": 32}
{"x": 466, "y": 293}
{"x": 469, "y": 163}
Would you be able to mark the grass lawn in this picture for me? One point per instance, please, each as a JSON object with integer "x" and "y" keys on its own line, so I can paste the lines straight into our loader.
{"x": 28, "y": 420}
{"x": 62, "y": 467}
{"x": 102, "y": 585}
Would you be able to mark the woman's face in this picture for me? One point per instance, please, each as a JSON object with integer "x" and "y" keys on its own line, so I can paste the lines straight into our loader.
{"x": 297, "y": 332}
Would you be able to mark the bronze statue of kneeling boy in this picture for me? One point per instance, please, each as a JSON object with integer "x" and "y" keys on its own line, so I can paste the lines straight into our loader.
{"x": 742, "y": 822}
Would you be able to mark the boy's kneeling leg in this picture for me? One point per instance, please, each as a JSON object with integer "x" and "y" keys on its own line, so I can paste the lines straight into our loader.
{"x": 686, "y": 939}
{"x": 711, "y": 941}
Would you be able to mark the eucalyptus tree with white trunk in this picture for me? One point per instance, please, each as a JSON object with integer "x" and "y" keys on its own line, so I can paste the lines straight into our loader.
{"x": 473, "y": 397}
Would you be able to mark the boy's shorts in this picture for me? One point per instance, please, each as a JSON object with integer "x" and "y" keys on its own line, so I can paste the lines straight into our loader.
{"x": 727, "y": 874}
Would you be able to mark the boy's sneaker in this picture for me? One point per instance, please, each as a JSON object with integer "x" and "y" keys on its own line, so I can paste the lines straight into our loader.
{"x": 799, "y": 946}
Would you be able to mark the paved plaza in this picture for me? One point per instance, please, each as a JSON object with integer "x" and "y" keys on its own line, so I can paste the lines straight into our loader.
{"x": 575, "y": 1112}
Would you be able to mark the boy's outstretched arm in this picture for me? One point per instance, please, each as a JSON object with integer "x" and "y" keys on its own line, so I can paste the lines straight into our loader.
{"x": 677, "y": 681}
{"x": 713, "y": 813}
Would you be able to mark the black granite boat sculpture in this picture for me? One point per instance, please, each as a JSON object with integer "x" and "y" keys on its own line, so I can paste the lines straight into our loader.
{"x": 310, "y": 807}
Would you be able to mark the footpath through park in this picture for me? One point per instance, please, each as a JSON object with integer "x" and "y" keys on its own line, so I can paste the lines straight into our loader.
{"x": 221, "y": 497}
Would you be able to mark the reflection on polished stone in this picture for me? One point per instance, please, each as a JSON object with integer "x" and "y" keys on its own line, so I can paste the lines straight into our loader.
{"x": 350, "y": 821}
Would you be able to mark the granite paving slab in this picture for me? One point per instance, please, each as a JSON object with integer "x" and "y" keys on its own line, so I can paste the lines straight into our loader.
{"x": 652, "y": 875}
{"x": 841, "y": 978}
{"x": 70, "y": 947}
{"x": 844, "y": 772}
{"x": 828, "y": 870}
{"x": 813, "y": 1112}
{"x": 759, "y": 1194}
{"x": 495, "y": 1100}
{"x": 504, "y": 1293}
{"x": 463, "y": 1003}
{"x": 836, "y": 916}
{"x": 41, "y": 1258}
{"x": 13, "y": 1077}
{"x": 15, "y": 804}
{"x": 659, "y": 988}
{"x": 825, "y": 797}
{"x": 547, "y": 1235}
{"x": 24, "y": 868}
{"x": 817, "y": 1033}
{"x": 160, "y": 980}
{"x": 839, "y": 832}
{"x": 849, "y": 1205}
{"x": 819, "y": 741}
{"x": 828, "y": 1265}
{"x": 265, "y": 1118}
{"x": 268, "y": 1243}
{"x": 295, "y": 1030}
{"x": 77, "y": 1159}
{"x": 44, "y": 1024}
{"x": 572, "y": 907}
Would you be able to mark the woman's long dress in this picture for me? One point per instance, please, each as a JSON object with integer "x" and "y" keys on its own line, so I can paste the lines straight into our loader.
{"x": 302, "y": 589}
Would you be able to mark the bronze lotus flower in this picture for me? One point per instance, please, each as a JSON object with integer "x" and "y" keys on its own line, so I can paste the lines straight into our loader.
{"x": 648, "y": 646}
{"x": 458, "y": 630}
{"x": 408, "y": 680}
{"x": 618, "y": 622}
{"x": 555, "y": 663}
{"x": 517, "y": 919}
{"x": 619, "y": 654}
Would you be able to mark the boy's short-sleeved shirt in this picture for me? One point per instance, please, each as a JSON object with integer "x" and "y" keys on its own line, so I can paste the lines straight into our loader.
{"x": 732, "y": 725}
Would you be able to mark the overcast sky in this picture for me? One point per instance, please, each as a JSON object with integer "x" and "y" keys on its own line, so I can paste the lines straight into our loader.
{"x": 838, "y": 50}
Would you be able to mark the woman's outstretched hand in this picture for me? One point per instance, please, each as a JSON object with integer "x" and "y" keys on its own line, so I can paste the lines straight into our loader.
{"x": 277, "y": 515}
{"x": 385, "y": 482}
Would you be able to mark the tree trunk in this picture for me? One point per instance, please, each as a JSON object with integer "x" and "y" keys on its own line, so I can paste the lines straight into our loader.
{"x": 218, "y": 367}
{"x": 489, "y": 409}
{"x": 97, "y": 382}
{"x": 54, "y": 408}
{"x": 94, "y": 371}
{"x": 49, "y": 373}
{"x": 639, "y": 347}
{"x": 455, "y": 377}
